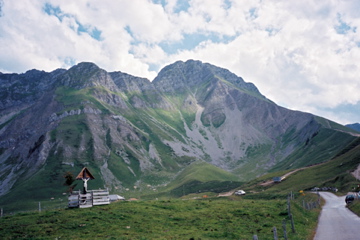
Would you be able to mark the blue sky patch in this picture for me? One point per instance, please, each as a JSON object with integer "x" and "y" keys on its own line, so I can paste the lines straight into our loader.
{"x": 59, "y": 14}
{"x": 93, "y": 32}
{"x": 181, "y": 6}
{"x": 69, "y": 61}
{"x": 350, "y": 111}
{"x": 227, "y": 4}
{"x": 253, "y": 13}
{"x": 134, "y": 40}
{"x": 272, "y": 31}
{"x": 191, "y": 41}
{"x": 1, "y": 6}
{"x": 54, "y": 11}
{"x": 154, "y": 67}
{"x": 161, "y": 2}
{"x": 343, "y": 27}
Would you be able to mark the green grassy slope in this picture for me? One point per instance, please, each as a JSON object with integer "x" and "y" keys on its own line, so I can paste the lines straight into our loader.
{"x": 334, "y": 173}
{"x": 197, "y": 178}
{"x": 217, "y": 218}
{"x": 204, "y": 172}
{"x": 320, "y": 148}
{"x": 47, "y": 183}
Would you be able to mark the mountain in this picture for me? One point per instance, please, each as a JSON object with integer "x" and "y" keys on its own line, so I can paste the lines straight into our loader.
{"x": 355, "y": 126}
{"x": 133, "y": 132}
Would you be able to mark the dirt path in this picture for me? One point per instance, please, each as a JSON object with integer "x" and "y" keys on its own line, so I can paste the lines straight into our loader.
{"x": 226, "y": 194}
{"x": 282, "y": 177}
{"x": 294, "y": 171}
{"x": 356, "y": 174}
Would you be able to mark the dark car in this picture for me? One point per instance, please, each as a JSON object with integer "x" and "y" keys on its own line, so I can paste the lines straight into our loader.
{"x": 349, "y": 199}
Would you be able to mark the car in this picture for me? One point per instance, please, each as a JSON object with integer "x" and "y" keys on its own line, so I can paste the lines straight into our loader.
{"x": 349, "y": 199}
{"x": 240, "y": 192}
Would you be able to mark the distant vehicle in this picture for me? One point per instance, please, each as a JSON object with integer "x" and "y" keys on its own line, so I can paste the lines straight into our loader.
{"x": 240, "y": 192}
{"x": 324, "y": 189}
{"x": 278, "y": 179}
{"x": 349, "y": 199}
{"x": 114, "y": 198}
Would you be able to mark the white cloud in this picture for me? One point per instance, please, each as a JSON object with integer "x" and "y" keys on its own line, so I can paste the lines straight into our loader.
{"x": 301, "y": 54}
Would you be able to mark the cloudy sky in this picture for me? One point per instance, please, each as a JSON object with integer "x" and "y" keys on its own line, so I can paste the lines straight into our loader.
{"x": 303, "y": 55}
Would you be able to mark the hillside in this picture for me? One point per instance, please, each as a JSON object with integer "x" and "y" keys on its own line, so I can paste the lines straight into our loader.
{"x": 216, "y": 218}
{"x": 133, "y": 132}
{"x": 336, "y": 173}
{"x": 355, "y": 126}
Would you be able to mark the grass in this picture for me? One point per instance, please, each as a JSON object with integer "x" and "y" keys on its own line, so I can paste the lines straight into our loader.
{"x": 74, "y": 99}
{"x": 255, "y": 155}
{"x": 355, "y": 207}
{"x": 196, "y": 178}
{"x": 321, "y": 147}
{"x": 202, "y": 172}
{"x": 120, "y": 169}
{"x": 47, "y": 183}
{"x": 334, "y": 173}
{"x": 215, "y": 218}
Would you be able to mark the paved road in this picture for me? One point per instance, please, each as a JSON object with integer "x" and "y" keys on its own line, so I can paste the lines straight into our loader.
{"x": 336, "y": 221}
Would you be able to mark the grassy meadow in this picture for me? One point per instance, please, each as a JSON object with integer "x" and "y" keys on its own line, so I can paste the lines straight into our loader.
{"x": 205, "y": 218}
{"x": 192, "y": 216}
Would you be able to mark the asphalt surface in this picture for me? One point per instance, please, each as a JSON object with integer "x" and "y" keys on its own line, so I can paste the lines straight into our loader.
{"x": 336, "y": 222}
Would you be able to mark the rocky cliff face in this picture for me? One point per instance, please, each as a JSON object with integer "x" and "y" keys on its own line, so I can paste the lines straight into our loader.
{"x": 131, "y": 131}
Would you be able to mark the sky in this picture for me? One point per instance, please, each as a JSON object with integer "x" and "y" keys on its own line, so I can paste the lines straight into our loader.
{"x": 303, "y": 55}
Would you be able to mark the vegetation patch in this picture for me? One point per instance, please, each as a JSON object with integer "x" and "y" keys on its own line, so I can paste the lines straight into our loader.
{"x": 214, "y": 218}
{"x": 121, "y": 169}
{"x": 334, "y": 173}
{"x": 321, "y": 147}
{"x": 203, "y": 187}
{"x": 355, "y": 207}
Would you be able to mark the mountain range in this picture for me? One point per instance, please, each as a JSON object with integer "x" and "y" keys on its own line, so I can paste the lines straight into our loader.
{"x": 355, "y": 126}
{"x": 194, "y": 121}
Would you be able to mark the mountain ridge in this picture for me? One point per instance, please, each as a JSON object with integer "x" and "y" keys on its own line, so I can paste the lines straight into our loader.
{"x": 355, "y": 126}
{"x": 132, "y": 131}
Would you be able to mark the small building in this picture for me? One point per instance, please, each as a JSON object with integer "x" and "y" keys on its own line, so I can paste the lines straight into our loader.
{"x": 115, "y": 197}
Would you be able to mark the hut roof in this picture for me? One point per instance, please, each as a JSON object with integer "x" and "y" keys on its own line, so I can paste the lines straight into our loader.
{"x": 84, "y": 174}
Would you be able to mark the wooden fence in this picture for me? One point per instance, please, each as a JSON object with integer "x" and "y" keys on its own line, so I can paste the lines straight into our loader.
{"x": 290, "y": 218}
{"x": 89, "y": 199}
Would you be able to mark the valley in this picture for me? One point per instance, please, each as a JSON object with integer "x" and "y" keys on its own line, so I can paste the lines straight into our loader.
{"x": 195, "y": 130}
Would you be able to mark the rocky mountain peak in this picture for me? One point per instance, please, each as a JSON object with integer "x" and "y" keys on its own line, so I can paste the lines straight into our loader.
{"x": 182, "y": 76}
{"x": 85, "y": 67}
{"x": 87, "y": 74}
{"x": 128, "y": 83}
{"x": 34, "y": 74}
